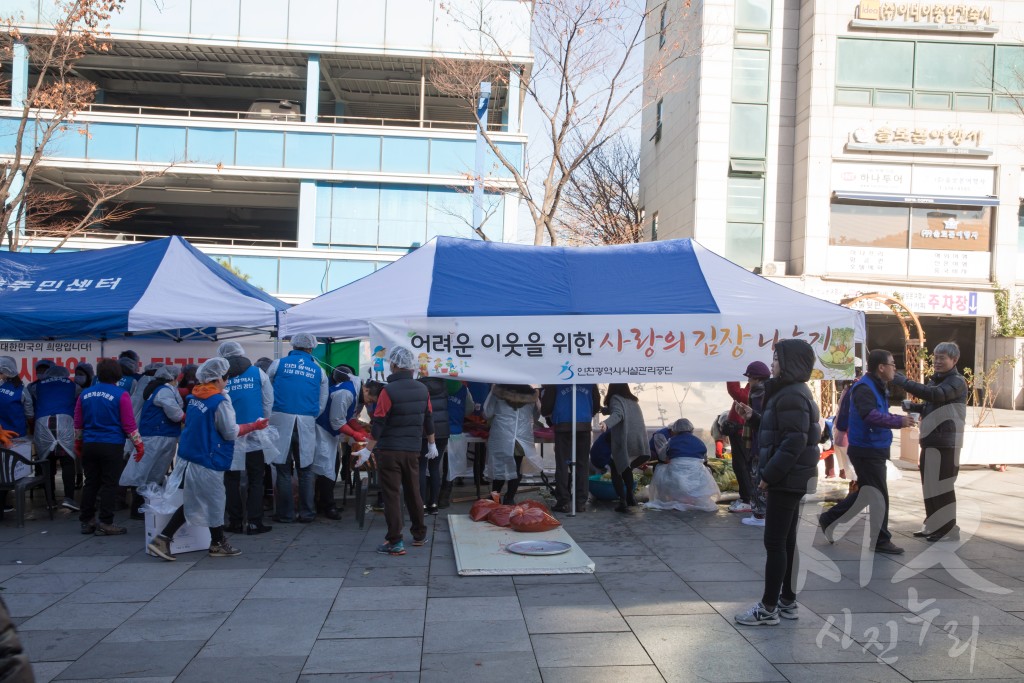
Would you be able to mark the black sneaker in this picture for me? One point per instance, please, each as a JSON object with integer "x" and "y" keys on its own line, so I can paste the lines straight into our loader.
{"x": 431, "y": 510}
{"x": 332, "y": 513}
{"x": 888, "y": 548}
{"x": 827, "y": 528}
{"x": 951, "y": 535}
{"x": 233, "y": 528}
{"x": 560, "y": 507}
{"x": 88, "y": 529}
{"x": 255, "y": 528}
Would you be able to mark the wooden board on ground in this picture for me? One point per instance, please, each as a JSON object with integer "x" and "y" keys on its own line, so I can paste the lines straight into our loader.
{"x": 480, "y": 551}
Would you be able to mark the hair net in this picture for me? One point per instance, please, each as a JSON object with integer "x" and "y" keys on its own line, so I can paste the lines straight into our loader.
{"x": 682, "y": 425}
{"x": 168, "y": 372}
{"x": 402, "y": 357}
{"x": 128, "y": 365}
{"x": 214, "y": 368}
{"x": 304, "y": 340}
{"x": 43, "y": 364}
{"x": 230, "y": 349}
{"x": 128, "y": 353}
{"x": 8, "y": 366}
{"x": 153, "y": 367}
{"x": 57, "y": 371}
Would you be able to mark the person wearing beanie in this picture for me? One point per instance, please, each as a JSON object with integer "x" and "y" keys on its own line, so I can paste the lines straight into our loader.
{"x": 129, "y": 361}
{"x": 205, "y": 452}
{"x": 53, "y": 409}
{"x": 147, "y": 376}
{"x": 337, "y": 418}
{"x": 300, "y": 396}
{"x": 681, "y": 481}
{"x": 734, "y": 428}
{"x": 252, "y": 397}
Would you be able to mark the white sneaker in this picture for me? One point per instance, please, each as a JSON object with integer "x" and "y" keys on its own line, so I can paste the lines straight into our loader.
{"x": 753, "y": 521}
{"x": 739, "y": 506}
{"x": 758, "y": 616}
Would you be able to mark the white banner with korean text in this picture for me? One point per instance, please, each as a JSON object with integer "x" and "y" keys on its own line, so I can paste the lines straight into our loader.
{"x": 621, "y": 348}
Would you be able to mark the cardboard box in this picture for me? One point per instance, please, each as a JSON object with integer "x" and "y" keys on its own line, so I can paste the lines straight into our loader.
{"x": 187, "y": 539}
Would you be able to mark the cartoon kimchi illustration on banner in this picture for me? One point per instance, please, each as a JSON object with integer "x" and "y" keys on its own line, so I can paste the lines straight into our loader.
{"x": 838, "y": 356}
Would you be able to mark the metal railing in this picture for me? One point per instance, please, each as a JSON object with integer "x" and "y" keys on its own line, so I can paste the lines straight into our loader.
{"x": 112, "y": 235}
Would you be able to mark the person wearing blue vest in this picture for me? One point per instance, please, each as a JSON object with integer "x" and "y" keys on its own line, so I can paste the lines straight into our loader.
{"x": 14, "y": 401}
{"x": 148, "y": 373}
{"x": 160, "y": 417}
{"x": 681, "y": 481}
{"x": 300, "y": 395}
{"x": 52, "y": 407}
{"x": 130, "y": 374}
{"x": 103, "y": 419}
{"x": 870, "y": 435}
{"x": 556, "y": 406}
{"x": 205, "y": 452}
{"x": 252, "y": 397}
{"x": 337, "y": 419}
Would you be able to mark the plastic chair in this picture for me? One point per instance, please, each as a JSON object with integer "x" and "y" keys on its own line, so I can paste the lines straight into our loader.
{"x": 8, "y": 462}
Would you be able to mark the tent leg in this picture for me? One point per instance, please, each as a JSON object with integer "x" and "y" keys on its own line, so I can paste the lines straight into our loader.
{"x": 572, "y": 458}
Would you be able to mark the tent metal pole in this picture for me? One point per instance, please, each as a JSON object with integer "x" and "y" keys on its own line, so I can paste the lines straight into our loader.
{"x": 572, "y": 455}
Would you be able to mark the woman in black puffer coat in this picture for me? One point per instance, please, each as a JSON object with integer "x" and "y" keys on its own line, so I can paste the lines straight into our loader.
{"x": 788, "y": 433}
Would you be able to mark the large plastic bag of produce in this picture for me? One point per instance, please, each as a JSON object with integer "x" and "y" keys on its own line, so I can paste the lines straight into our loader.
{"x": 531, "y": 519}
{"x": 499, "y": 515}
{"x": 481, "y": 509}
{"x": 534, "y": 504}
{"x": 683, "y": 484}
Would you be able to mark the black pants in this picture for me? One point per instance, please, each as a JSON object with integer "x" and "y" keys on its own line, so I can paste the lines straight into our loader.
{"x": 59, "y": 457}
{"x": 870, "y": 474}
{"x": 780, "y": 520}
{"x": 430, "y": 487}
{"x": 623, "y": 484}
{"x": 741, "y": 466}
{"x": 253, "y": 490}
{"x": 177, "y": 521}
{"x": 939, "y": 469}
{"x": 102, "y": 463}
{"x": 563, "y": 449}
{"x": 513, "y": 484}
{"x": 399, "y": 476}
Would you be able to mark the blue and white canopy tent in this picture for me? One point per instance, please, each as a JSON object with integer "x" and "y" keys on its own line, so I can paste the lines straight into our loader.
{"x": 165, "y": 287}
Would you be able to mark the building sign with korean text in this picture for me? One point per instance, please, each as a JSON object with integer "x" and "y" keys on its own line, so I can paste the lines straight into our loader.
{"x": 924, "y": 16}
{"x": 955, "y": 140}
{"x": 626, "y": 348}
{"x": 923, "y": 301}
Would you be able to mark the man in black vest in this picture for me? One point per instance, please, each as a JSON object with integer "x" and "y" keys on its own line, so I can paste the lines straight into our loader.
{"x": 400, "y": 421}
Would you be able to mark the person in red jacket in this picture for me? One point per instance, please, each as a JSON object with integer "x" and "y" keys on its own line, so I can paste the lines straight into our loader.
{"x": 734, "y": 430}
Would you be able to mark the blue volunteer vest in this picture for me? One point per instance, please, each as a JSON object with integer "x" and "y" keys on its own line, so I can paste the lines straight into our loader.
{"x": 685, "y": 445}
{"x": 55, "y": 396}
{"x": 246, "y": 396}
{"x": 12, "y": 412}
{"x": 101, "y": 414}
{"x": 861, "y": 434}
{"x": 324, "y": 419}
{"x": 201, "y": 443}
{"x": 126, "y": 382}
{"x": 153, "y": 420}
{"x": 457, "y": 410}
{"x": 297, "y": 385}
{"x": 562, "y": 412}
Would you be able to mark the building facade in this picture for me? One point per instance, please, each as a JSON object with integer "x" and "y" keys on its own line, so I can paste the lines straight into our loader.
{"x": 852, "y": 146}
{"x": 301, "y": 141}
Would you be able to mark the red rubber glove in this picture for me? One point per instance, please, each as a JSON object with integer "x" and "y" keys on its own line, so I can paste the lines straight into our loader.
{"x": 7, "y": 437}
{"x": 78, "y": 448}
{"x": 355, "y": 430}
{"x": 259, "y": 424}
{"x": 140, "y": 450}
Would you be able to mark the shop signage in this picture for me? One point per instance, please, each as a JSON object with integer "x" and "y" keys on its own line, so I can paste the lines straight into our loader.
{"x": 924, "y": 16}
{"x": 858, "y": 177}
{"x": 921, "y": 300}
{"x": 918, "y": 179}
{"x": 919, "y": 140}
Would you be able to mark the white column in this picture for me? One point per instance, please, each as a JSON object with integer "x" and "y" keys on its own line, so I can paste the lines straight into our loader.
{"x": 312, "y": 88}
{"x": 307, "y": 214}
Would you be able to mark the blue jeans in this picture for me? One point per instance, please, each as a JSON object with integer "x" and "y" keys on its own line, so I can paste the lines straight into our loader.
{"x": 283, "y": 508}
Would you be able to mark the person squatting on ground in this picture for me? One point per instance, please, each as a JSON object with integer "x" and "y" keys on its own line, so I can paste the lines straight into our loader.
{"x": 337, "y": 418}
{"x": 300, "y": 395}
{"x": 943, "y": 419}
{"x": 205, "y": 452}
{"x": 103, "y": 420}
{"x": 788, "y": 433}
{"x": 556, "y": 407}
{"x": 431, "y": 469}
{"x": 681, "y": 480}
{"x": 51, "y": 412}
{"x": 512, "y": 410}
{"x": 252, "y": 397}
{"x": 400, "y": 419}
{"x": 870, "y": 436}
{"x": 630, "y": 446}
{"x": 757, "y": 373}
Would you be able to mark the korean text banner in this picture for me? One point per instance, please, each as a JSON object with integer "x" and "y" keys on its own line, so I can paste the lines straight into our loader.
{"x": 620, "y": 348}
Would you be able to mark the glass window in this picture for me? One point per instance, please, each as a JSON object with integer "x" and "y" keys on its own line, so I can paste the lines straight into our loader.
{"x": 307, "y": 150}
{"x": 953, "y": 66}
{"x": 750, "y": 75}
{"x": 659, "y": 114}
{"x": 303, "y": 276}
{"x": 452, "y": 157}
{"x": 405, "y": 155}
{"x": 341, "y": 273}
{"x": 450, "y": 212}
{"x": 262, "y": 271}
{"x": 354, "y": 213}
{"x": 513, "y": 152}
{"x": 855, "y": 98}
{"x": 264, "y": 19}
{"x": 260, "y": 148}
{"x": 322, "y": 224}
{"x": 654, "y": 227}
{"x": 889, "y": 98}
{"x": 875, "y": 63}
{"x": 161, "y": 143}
{"x": 745, "y": 200}
{"x": 862, "y": 225}
{"x": 68, "y": 141}
{"x": 932, "y": 100}
{"x": 211, "y": 146}
{"x": 748, "y": 131}
{"x": 754, "y": 14}
{"x": 1009, "y": 74}
{"x": 403, "y": 215}
{"x": 972, "y": 102}
{"x": 357, "y": 152}
{"x": 950, "y": 229}
{"x": 743, "y": 243}
{"x": 111, "y": 141}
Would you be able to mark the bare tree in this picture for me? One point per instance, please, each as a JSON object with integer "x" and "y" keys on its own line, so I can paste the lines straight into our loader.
{"x": 602, "y": 199}
{"x": 493, "y": 203}
{"x": 588, "y": 82}
{"x": 54, "y": 98}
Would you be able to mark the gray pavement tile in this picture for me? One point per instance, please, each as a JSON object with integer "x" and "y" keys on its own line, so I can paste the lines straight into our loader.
{"x": 127, "y": 544}
{"x": 81, "y": 616}
{"x": 537, "y": 595}
{"x": 443, "y": 566}
{"x": 9, "y": 570}
{"x": 807, "y": 619}
{"x": 656, "y": 593}
{"x": 254, "y": 629}
{"x": 375, "y": 559}
{"x": 859, "y": 600}
{"x": 155, "y": 628}
{"x": 620, "y": 563}
{"x": 936, "y": 658}
{"x": 471, "y": 637}
{"x": 387, "y": 677}
{"x": 494, "y": 667}
{"x": 588, "y": 649}
{"x": 356, "y": 655}
{"x": 30, "y": 604}
{"x": 73, "y": 564}
{"x": 470, "y": 586}
{"x": 59, "y": 645}
{"x": 963, "y": 610}
{"x": 121, "y": 591}
{"x": 48, "y": 583}
{"x": 1015, "y": 663}
{"x": 318, "y": 553}
{"x": 110, "y": 661}
{"x": 846, "y": 672}
{"x": 194, "y": 600}
{"x": 271, "y": 669}
{"x": 45, "y": 672}
{"x": 573, "y": 619}
{"x": 202, "y": 578}
{"x": 247, "y": 560}
{"x": 802, "y": 645}
{"x": 321, "y": 588}
{"x": 1002, "y": 642}
{"x": 716, "y": 571}
{"x": 47, "y": 539}
{"x": 551, "y": 579}
{"x": 603, "y": 674}
{"x": 382, "y": 623}
{"x": 473, "y": 609}
{"x": 398, "y": 575}
{"x": 926, "y": 589}
{"x": 328, "y": 569}
{"x": 384, "y": 598}
{"x": 629, "y": 548}
{"x": 151, "y": 569}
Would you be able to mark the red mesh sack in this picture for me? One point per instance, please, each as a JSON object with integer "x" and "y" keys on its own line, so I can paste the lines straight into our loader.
{"x": 499, "y": 515}
{"x": 481, "y": 509}
{"x": 534, "y": 504}
{"x": 530, "y": 519}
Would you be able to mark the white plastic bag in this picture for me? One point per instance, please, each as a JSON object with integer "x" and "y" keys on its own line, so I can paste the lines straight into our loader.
{"x": 268, "y": 441}
{"x": 458, "y": 465}
{"x": 162, "y": 500}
